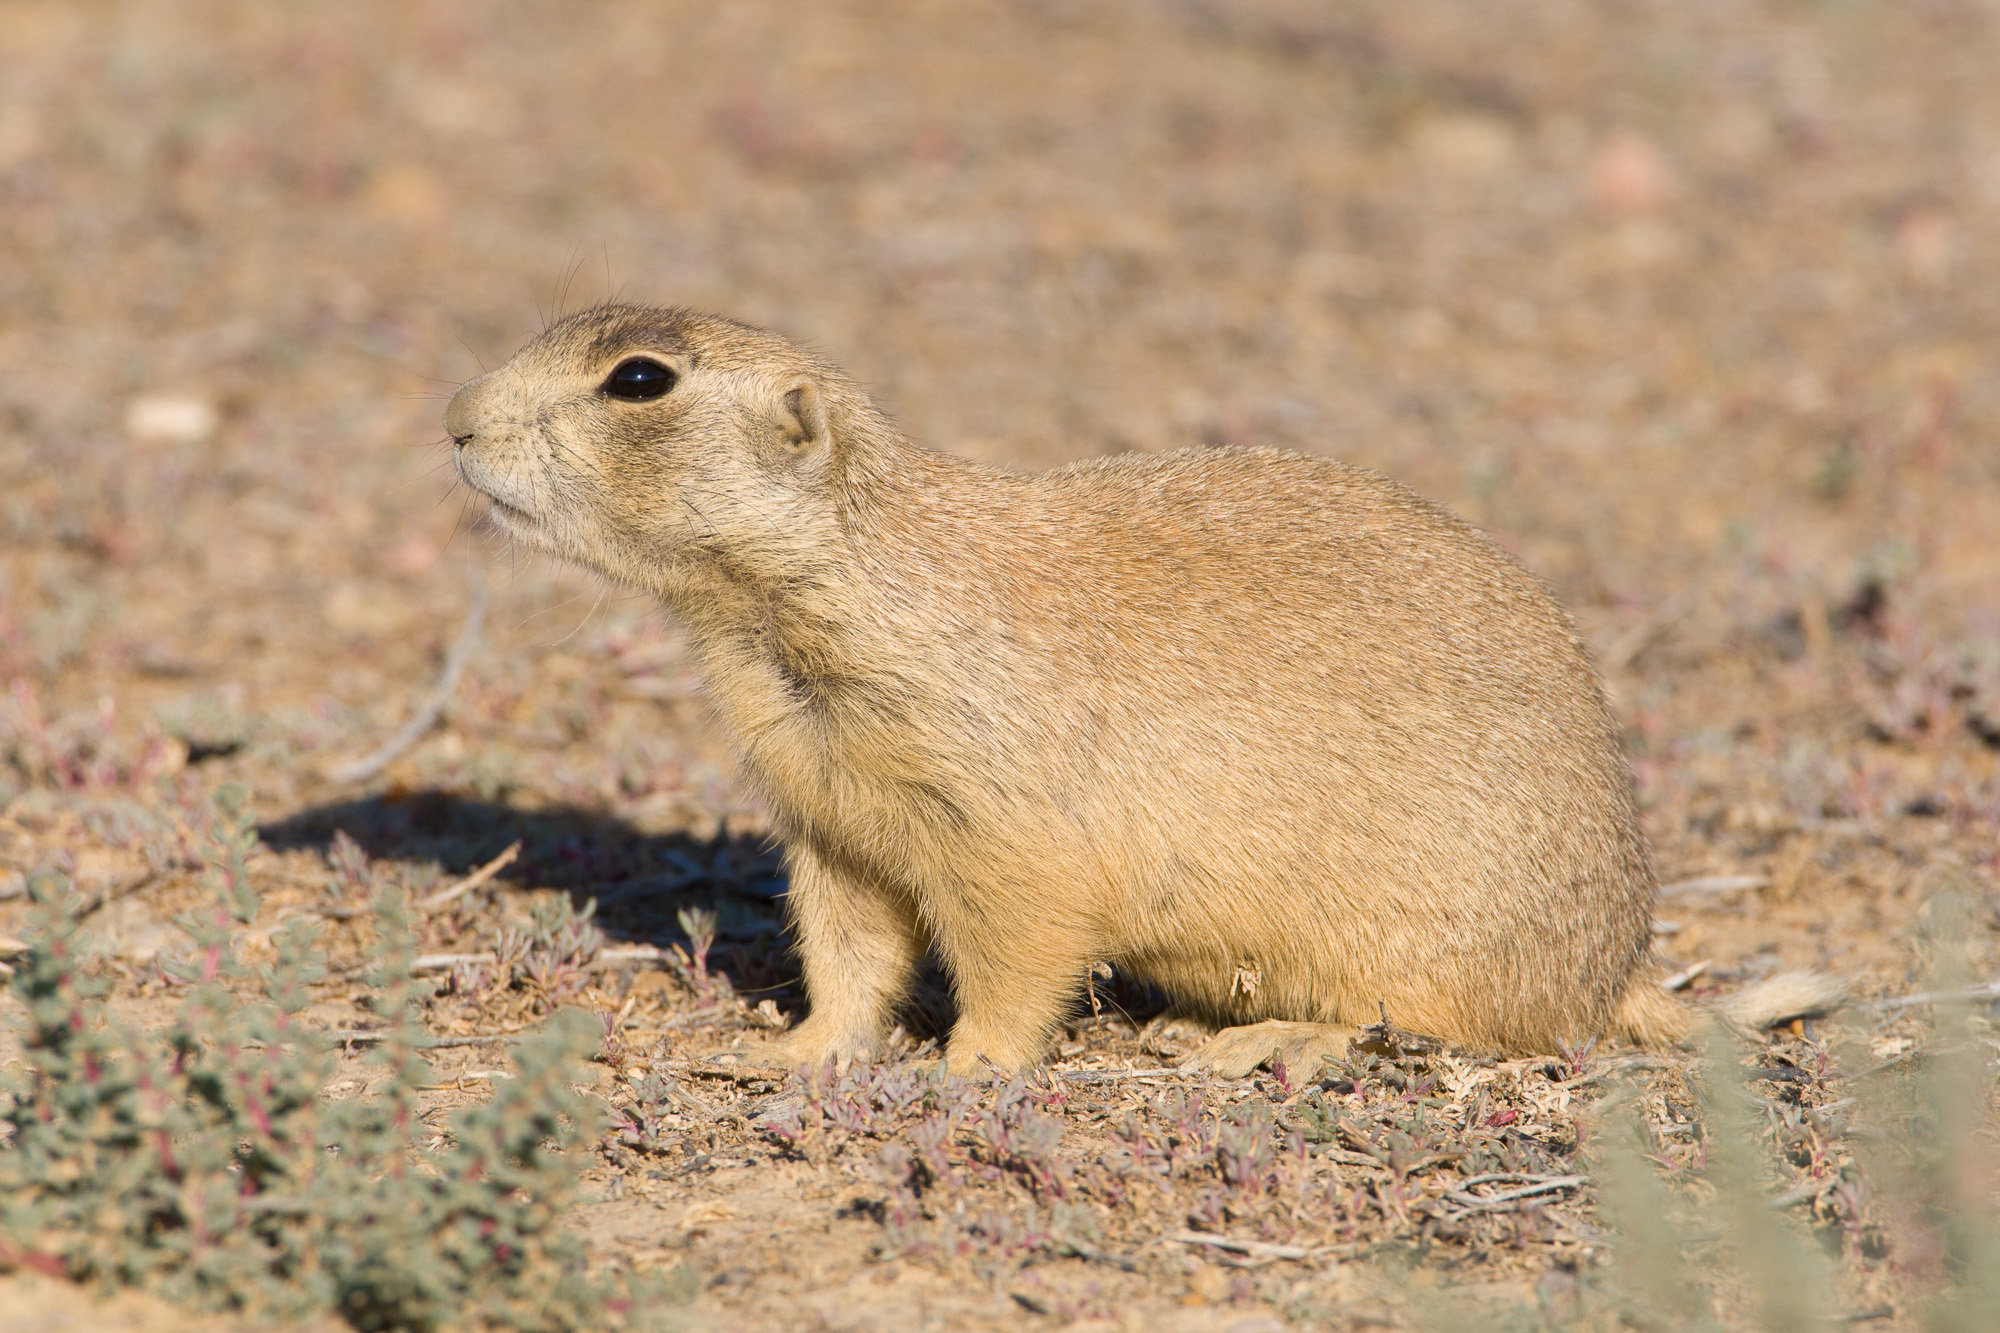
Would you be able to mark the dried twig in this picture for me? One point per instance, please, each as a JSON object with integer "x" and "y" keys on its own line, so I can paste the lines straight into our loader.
{"x": 1347, "y": 1157}
{"x": 730, "y": 1073}
{"x": 1681, "y": 979}
{"x": 444, "y": 962}
{"x": 1089, "y": 1255}
{"x": 1985, "y": 991}
{"x": 457, "y": 1083}
{"x": 629, "y": 953}
{"x": 1536, "y": 1185}
{"x": 433, "y": 708}
{"x": 113, "y": 893}
{"x": 1626, "y": 648}
{"x": 1702, "y": 885}
{"x": 431, "y": 902}
{"x": 423, "y": 962}
{"x": 692, "y": 1019}
{"x": 369, "y": 1036}
{"x": 1256, "y": 1249}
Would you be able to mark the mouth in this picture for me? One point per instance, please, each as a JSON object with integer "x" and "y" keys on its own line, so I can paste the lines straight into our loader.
{"x": 509, "y": 515}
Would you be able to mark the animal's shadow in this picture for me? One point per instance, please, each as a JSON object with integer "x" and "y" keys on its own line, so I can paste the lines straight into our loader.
{"x": 642, "y": 882}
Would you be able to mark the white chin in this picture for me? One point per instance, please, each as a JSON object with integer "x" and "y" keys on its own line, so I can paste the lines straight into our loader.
{"x": 517, "y": 522}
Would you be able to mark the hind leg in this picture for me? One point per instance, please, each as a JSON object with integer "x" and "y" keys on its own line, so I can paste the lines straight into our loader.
{"x": 1299, "y": 1047}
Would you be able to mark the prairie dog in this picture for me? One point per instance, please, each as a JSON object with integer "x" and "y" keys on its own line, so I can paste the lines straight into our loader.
{"x": 1271, "y": 732}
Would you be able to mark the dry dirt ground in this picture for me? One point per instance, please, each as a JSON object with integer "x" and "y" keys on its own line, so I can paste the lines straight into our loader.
{"x": 1694, "y": 306}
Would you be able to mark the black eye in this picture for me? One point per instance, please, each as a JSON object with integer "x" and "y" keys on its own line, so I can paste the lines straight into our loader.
{"x": 639, "y": 378}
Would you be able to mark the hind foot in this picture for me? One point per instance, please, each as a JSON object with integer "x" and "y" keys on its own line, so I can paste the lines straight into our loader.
{"x": 1299, "y": 1047}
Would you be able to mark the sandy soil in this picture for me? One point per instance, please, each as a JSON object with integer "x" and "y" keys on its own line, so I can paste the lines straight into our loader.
{"x": 1693, "y": 306}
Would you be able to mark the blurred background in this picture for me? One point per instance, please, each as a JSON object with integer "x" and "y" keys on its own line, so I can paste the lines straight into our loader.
{"x": 1693, "y": 305}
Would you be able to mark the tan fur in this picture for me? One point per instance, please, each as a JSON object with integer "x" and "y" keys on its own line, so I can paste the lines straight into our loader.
{"x": 1271, "y": 732}
{"x": 1778, "y": 999}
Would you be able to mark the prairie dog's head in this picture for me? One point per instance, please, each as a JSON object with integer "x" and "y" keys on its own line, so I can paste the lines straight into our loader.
{"x": 644, "y": 442}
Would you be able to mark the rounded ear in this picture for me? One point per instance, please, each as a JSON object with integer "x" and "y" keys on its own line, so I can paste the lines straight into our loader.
{"x": 802, "y": 417}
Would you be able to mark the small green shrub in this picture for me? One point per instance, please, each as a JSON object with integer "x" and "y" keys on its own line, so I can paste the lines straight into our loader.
{"x": 201, "y": 1162}
{"x": 1918, "y": 1192}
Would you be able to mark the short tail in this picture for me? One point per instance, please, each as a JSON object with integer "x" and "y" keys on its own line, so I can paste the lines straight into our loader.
{"x": 1652, "y": 1016}
{"x": 1779, "y": 999}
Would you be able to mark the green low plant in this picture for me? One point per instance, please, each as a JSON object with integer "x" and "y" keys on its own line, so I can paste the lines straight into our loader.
{"x": 202, "y": 1162}
{"x": 1920, "y": 1195}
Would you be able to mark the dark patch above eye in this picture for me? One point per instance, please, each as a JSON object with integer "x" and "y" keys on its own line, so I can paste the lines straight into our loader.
{"x": 639, "y": 377}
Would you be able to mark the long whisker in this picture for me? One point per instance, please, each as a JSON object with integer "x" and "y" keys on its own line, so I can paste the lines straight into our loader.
{"x": 458, "y": 522}
{"x": 424, "y": 476}
{"x": 539, "y": 612}
{"x": 581, "y": 623}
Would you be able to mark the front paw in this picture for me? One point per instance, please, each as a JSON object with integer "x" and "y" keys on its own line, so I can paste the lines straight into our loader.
{"x": 991, "y": 1061}
{"x": 812, "y": 1048}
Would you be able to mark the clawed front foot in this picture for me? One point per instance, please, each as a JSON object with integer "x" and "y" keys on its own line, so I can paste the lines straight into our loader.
{"x": 1004, "y": 1023}
{"x": 859, "y": 945}
{"x": 816, "y": 1044}
{"x": 971, "y": 1058}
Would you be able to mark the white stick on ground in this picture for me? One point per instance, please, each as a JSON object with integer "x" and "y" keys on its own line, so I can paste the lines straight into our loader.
{"x": 427, "y": 716}
{"x": 431, "y": 902}
{"x": 1987, "y": 991}
{"x": 1687, "y": 974}
{"x": 1706, "y": 884}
